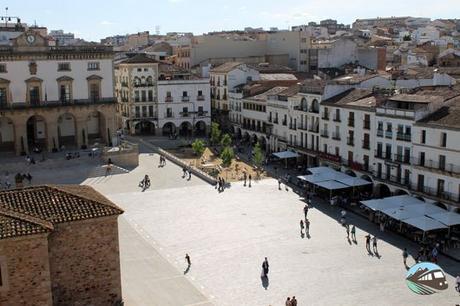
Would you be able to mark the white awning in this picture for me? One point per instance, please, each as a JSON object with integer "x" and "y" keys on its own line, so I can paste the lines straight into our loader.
{"x": 401, "y": 213}
{"x": 332, "y": 185}
{"x": 424, "y": 223}
{"x": 318, "y": 170}
{"x": 426, "y": 209}
{"x": 392, "y": 202}
{"x": 448, "y": 218}
{"x": 353, "y": 181}
{"x": 286, "y": 154}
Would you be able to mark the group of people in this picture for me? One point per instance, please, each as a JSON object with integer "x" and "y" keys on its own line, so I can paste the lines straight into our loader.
{"x": 70, "y": 156}
{"x": 291, "y": 301}
{"x": 370, "y": 239}
{"x": 220, "y": 184}
{"x": 305, "y": 224}
{"x": 30, "y": 160}
{"x": 247, "y": 177}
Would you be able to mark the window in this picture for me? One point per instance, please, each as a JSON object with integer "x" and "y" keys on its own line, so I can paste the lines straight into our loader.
{"x": 94, "y": 92}
{"x": 138, "y": 112}
{"x": 389, "y": 127}
{"x": 144, "y": 96}
{"x": 3, "y": 68}
{"x": 168, "y": 94}
{"x": 151, "y": 111}
{"x": 93, "y": 66}
{"x": 34, "y": 94}
{"x": 63, "y": 66}
{"x": 3, "y": 97}
{"x": 443, "y": 140}
{"x": 423, "y": 137}
{"x": 64, "y": 93}
{"x": 422, "y": 159}
{"x": 200, "y": 110}
{"x": 150, "y": 93}
{"x": 442, "y": 162}
{"x": 200, "y": 93}
{"x": 137, "y": 96}
{"x": 184, "y": 94}
{"x": 139, "y": 69}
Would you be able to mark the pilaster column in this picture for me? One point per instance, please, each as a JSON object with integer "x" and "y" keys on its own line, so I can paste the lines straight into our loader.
{"x": 20, "y": 138}
{"x": 52, "y": 135}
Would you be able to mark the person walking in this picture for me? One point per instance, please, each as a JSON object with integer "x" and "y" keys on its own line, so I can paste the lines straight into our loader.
{"x": 265, "y": 267}
{"x": 189, "y": 174}
{"x": 353, "y": 233}
{"x": 307, "y": 227}
{"x": 368, "y": 243}
{"x": 301, "y": 227}
{"x": 245, "y": 177}
{"x": 288, "y": 302}
{"x": 219, "y": 184}
{"x": 457, "y": 281}
{"x": 223, "y": 184}
{"x": 250, "y": 178}
{"x": 347, "y": 226}
{"x": 305, "y": 210}
{"x": 279, "y": 184}
{"x": 405, "y": 255}
{"x": 187, "y": 259}
{"x": 184, "y": 172}
{"x": 293, "y": 301}
{"x": 374, "y": 244}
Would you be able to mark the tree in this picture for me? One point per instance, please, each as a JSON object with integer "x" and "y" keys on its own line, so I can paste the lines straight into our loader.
{"x": 198, "y": 147}
{"x": 226, "y": 140}
{"x": 258, "y": 155}
{"x": 227, "y": 156}
{"x": 215, "y": 133}
{"x": 406, "y": 38}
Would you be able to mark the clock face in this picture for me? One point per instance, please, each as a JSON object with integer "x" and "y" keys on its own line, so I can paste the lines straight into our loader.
{"x": 30, "y": 39}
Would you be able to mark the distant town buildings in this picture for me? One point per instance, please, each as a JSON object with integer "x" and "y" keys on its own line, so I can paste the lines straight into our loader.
{"x": 62, "y": 39}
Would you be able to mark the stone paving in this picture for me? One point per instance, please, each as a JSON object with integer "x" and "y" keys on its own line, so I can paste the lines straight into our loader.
{"x": 227, "y": 236}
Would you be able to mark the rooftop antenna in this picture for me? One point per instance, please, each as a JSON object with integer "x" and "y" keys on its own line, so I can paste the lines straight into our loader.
{"x": 6, "y": 17}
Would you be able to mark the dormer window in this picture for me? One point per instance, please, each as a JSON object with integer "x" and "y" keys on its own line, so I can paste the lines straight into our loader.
{"x": 64, "y": 67}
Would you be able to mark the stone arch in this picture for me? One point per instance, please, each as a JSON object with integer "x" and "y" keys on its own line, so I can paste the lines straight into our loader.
{"x": 95, "y": 127}
{"x": 400, "y": 192}
{"x": 67, "y": 130}
{"x": 149, "y": 81}
{"x": 200, "y": 128}
{"x": 350, "y": 173}
{"x": 367, "y": 178}
{"x": 145, "y": 127}
{"x": 303, "y": 104}
{"x": 37, "y": 133}
{"x": 7, "y": 135}
{"x": 315, "y": 106}
{"x": 169, "y": 129}
{"x": 253, "y": 139}
{"x": 382, "y": 191}
{"x": 137, "y": 81}
{"x": 185, "y": 129}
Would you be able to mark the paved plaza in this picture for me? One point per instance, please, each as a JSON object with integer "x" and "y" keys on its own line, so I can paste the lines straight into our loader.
{"x": 228, "y": 235}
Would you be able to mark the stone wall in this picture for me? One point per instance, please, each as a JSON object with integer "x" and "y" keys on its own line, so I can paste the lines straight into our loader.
{"x": 84, "y": 262}
{"x": 25, "y": 270}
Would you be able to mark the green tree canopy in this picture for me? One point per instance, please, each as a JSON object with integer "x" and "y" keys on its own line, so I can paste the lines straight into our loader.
{"x": 198, "y": 147}
{"x": 226, "y": 140}
{"x": 258, "y": 155}
{"x": 227, "y": 156}
{"x": 215, "y": 133}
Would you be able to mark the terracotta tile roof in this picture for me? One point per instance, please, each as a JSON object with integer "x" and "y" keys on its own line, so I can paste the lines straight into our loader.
{"x": 354, "y": 98}
{"x": 35, "y": 209}
{"x": 140, "y": 58}
{"x": 445, "y": 117}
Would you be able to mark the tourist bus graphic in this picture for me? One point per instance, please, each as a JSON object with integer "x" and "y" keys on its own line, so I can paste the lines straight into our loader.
{"x": 426, "y": 278}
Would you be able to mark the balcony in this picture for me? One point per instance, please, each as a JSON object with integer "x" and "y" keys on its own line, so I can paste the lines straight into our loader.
{"x": 336, "y": 119}
{"x": 300, "y": 108}
{"x": 336, "y": 136}
{"x": 351, "y": 122}
{"x": 169, "y": 99}
{"x": 325, "y": 116}
{"x": 404, "y": 137}
{"x": 450, "y": 169}
{"x": 366, "y": 145}
{"x": 402, "y": 159}
{"x": 275, "y": 121}
{"x": 200, "y": 98}
{"x": 169, "y": 115}
{"x": 388, "y": 134}
{"x": 435, "y": 193}
{"x": 185, "y": 99}
{"x": 314, "y": 129}
{"x": 325, "y": 133}
{"x": 292, "y": 126}
{"x": 379, "y": 133}
{"x": 52, "y": 104}
{"x": 284, "y": 122}
{"x": 350, "y": 141}
{"x": 330, "y": 157}
{"x": 314, "y": 110}
{"x": 366, "y": 124}
{"x": 379, "y": 154}
{"x": 303, "y": 127}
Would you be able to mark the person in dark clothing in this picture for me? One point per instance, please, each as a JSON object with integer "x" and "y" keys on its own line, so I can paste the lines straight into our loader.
{"x": 265, "y": 267}
{"x": 187, "y": 259}
{"x": 368, "y": 243}
{"x": 405, "y": 255}
{"x": 184, "y": 172}
{"x": 245, "y": 176}
{"x": 305, "y": 210}
{"x": 250, "y": 178}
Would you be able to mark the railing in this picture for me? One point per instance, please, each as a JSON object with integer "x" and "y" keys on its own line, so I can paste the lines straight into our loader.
{"x": 388, "y": 134}
{"x": 314, "y": 110}
{"x": 292, "y": 126}
{"x": 336, "y": 119}
{"x": 336, "y": 136}
{"x": 275, "y": 121}
{"x": 303, "y": 127}
{"x": 366, "y": 124}
{"x": 169, "y": 99}
{"x": 436, "y": 193}
{"x": 200, "y": 98}
{"x": 401, "y": 158}
{"x": 366, "y": 144}
{"x": 325, "y": 133}
{"x": 436, "y": 166}
{"x": 169, "y": 115}
{"x": 351, "y": 122}
{"x": 330, "y": 157}
{"x": 379, "y": 133}
{"x": 300, "y": 108}
{"x": 284, "y": 122}
{"x": 185, "y": 99}
{"x": 404, "y": 137}
{"x": 350, "y": 141}
{"x": 184, "y": 114}
{"x": 46, "y": 104}
{"x": 325, "y": 116}
{"x": 314, "y": 129}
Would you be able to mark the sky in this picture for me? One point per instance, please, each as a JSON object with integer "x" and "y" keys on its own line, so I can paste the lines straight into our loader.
{"x": 96, "y": 19}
